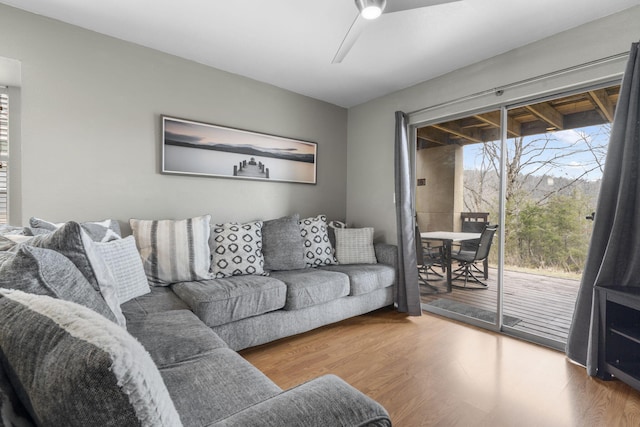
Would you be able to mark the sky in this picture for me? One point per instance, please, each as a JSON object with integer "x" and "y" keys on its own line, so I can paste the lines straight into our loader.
{"x": 572, "y": 145}
{"x": 203, "y": 133}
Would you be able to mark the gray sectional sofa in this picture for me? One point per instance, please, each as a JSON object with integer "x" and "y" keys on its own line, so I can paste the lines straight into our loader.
{"x": 79, "y": 346}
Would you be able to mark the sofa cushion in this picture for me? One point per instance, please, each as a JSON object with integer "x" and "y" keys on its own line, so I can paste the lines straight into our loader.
{"x": 99, "y": 231}
{"x": 364, "y": 278}
{"x": 123, "y": 259}
{"x": 174, "y": 336}
{"x": 236, "y": 249}
{"x": 71, "y": 241}
{"x": 214, "y": 386}
{"x": 311, "y": 287}
{"x": 47, "y": 272}
{"x": 220, "y": 301}
{"x": 317, "y": 247}
{"x": 282, "y": 244}
{"x": 12, "y": 411}
{"x": 355, "y": 245}
{"x": 334, "y": 403}
{"x": 72, "y": 367}
{"x": 173, "y": 251}
{"x": 159, "y": 300}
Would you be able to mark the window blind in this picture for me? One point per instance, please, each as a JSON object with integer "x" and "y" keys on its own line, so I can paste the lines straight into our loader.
{"x": 4, "y": 154}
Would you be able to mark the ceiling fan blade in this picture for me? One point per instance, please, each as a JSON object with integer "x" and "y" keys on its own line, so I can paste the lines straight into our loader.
{"x": 350, "y": 39}
{"x": 400, "y": 5}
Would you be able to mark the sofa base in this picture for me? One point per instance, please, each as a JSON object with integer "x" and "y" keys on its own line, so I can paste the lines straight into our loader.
{"x": 278, "y": 324}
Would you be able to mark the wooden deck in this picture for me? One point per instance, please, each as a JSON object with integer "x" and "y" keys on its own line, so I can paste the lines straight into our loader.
{"x": 544, "y": 304}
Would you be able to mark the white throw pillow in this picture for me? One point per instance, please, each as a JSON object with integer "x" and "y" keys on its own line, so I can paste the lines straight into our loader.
{"x": 124, "y": 261}
{"x": 173, "y": 250}
{"x": 317, "y": 247}
{"x": 355, "y": 246}
{"x": 236, "y": 249}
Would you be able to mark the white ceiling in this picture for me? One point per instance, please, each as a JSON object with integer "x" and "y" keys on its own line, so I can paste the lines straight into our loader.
{"x": 290, "y": 43}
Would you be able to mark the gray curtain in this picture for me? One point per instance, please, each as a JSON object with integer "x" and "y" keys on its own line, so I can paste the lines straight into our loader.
{"x": 408, "y": 295}
{"x": 614, "y": 251}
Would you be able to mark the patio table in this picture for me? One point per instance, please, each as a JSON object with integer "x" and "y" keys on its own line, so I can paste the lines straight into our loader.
{"x": 447, "y": 238}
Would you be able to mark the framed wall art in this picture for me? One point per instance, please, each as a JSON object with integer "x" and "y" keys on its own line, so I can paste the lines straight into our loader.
{"x": 195, "y": 148}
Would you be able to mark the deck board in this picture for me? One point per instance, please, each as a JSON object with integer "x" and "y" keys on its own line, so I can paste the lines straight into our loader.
{"x": 544, "y": 304}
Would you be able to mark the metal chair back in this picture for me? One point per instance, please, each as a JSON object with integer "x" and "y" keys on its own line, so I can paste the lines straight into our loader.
{"x": 484, "y": 245}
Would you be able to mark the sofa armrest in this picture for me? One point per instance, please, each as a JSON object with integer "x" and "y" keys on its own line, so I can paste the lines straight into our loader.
{"x": 324, "y": 401}
{"x": 387, "y": 254}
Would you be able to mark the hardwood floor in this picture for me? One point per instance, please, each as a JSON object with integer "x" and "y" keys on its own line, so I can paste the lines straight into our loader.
{"x": 431, "y": 371}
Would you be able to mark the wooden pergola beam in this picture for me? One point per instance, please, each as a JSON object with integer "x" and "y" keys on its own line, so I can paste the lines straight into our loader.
{"x": 493, "y": 119}
{"x": 433, "y": 135}
{"x": 456, "y": 129}
{"x": 548, "y": 114}
{"x": 602, "y": 101}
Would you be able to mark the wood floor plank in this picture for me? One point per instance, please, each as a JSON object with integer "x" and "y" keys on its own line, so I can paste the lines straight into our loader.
{"x": 431, "y": 371}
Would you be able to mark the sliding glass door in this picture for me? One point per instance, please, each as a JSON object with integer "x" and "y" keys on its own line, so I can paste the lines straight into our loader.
{"x": 554, "y": 169}
{"x": 457, "y": 195}
{"x": 539, "y": 185}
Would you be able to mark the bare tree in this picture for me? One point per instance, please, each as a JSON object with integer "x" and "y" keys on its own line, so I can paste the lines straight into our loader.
{"x": 533, "y": 166}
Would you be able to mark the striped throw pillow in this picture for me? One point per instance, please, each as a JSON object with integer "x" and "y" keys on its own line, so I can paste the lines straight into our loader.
{"x": 355, "y": 246}
{"x": 173, "y": 250}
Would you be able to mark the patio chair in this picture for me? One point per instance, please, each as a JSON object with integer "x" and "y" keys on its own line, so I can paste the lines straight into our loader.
{"x": 428, "y": 257}
{"x": 467, "y": 268}
{"x": 474, "y": 222}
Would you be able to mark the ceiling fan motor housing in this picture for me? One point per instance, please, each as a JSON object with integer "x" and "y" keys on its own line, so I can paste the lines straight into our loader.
{"x": 371, "y": 9}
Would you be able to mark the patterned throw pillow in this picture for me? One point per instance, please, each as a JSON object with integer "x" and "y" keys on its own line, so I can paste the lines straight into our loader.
{"x": 99, "y": 231}
{"x": 355, "y": 246}
{"x": 236, "y": 249}
{"x": 317, "y": 247}
{"x": 76, "y": 368}
{"x": 173, "y": 250}
{"x": 124, "y": 261}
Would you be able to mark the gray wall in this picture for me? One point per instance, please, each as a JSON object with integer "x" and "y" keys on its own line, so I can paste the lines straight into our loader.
{"x": 90, "y": 132}
{"x": 370, "y": 184}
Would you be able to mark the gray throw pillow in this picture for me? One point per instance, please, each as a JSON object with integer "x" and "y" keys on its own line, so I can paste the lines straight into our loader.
{"x": 71, "y": 241}
{"x": 99, "y": 231}
{"x": 12, "y": 411}
{"x": 72, "y": 367}
{"x": 282, "y": 245}
{"x": 9, "y": 241}
{"x": 46, "y": 272}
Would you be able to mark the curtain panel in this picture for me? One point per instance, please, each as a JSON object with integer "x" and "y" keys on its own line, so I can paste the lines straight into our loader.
{"x": 614, "y": 251}
{"x": 408, "y": 292}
